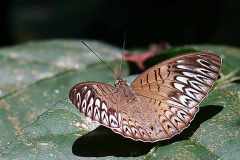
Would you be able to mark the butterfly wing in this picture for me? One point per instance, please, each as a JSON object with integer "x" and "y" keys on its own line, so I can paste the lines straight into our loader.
{"x": 173, "y": 90}
{"x": 97, "y": 101}
{"x": 112, "y": 107}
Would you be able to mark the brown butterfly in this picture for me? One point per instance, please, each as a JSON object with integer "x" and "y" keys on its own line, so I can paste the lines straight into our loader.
{"x": 160, "y": 103}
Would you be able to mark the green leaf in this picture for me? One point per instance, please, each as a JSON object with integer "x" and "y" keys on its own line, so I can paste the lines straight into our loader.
{"x": 38, "y": 122}
{"x": 37, "y": 95}
{"x": 27, "y": 63}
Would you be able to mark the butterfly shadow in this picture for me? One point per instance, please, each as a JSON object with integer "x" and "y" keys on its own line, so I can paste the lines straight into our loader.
{"x": 103, "y": 142}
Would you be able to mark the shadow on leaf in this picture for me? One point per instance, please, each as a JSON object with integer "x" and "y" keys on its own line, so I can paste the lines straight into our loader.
{"x": 103, "y": 142}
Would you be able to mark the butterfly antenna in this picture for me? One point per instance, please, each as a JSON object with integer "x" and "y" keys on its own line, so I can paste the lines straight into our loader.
{"x": 100, "y": 59}
{"x": 123, "y": 49}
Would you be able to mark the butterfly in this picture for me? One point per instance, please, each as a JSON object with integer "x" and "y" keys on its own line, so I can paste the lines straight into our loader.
{"x": 159, "y": 104}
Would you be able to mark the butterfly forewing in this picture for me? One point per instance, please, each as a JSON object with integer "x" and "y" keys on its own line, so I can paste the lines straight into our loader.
{"x": 159, "y": 104}
{"x": 94, "y": 100}
{"x": 179, "y": 85}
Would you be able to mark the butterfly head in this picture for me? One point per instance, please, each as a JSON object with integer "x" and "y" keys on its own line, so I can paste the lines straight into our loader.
{"x": 120, "y": 82}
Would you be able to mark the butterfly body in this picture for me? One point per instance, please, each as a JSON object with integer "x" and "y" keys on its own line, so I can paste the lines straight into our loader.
{"x": 159, "y": 103}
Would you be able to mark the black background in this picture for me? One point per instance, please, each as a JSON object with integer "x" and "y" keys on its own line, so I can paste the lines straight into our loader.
{"x": 143, "y": 22}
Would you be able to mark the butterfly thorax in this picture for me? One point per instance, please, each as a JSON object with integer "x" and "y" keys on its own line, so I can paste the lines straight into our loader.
{"x": 124, "y": 89}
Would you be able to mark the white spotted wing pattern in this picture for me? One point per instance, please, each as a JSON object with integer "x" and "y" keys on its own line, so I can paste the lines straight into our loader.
{"x": 159, "y": 103}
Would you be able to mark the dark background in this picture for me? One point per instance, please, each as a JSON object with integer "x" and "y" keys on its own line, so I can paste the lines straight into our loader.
{"x": 144, "y": 22}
